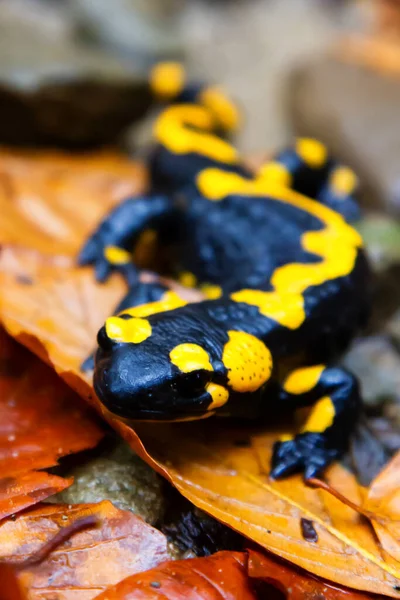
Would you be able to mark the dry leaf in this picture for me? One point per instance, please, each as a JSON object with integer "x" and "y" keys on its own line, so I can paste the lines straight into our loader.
{"x": 10, "y": 588}
{"x": 90, "y": 560}
{"x": 17, "y": 493}
{"x": 295, "y": 584}
{"x": 218, "y": 468}
{"x": 383, "y": 499}
{"x": 41, "y": 419}
{"x": 222, "y": 576}
{"x": 58, "y": 197}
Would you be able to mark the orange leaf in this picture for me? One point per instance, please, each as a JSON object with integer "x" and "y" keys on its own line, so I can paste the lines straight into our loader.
{"x": 90, "y": 560}
{"x": 27, "y": 489}
{"x": 297, "y": 585}
{"x": 218, "y": 468}
{"x": 58, "y": 197}
{"x": 41, "y": 419}
{"x": 10, "y": 588}
{"x": 222, "y": 576}
{"x": 383, "y": 499}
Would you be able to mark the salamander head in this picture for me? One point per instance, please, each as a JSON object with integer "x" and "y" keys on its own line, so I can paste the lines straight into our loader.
{"x": 141, "y": 374}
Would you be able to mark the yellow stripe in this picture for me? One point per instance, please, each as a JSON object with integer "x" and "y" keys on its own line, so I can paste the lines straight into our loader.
{"x": 185, "y": 128}
{"x": 169, "y": 301}
{"x": 337, "y": 244}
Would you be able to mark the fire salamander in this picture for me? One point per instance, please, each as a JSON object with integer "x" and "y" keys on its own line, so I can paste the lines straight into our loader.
{"x": 284, "y": 273}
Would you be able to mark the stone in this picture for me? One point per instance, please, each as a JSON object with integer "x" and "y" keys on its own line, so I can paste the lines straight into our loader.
{"x": 55, "y": 91}
{"x": 356, "y": 113}
{"x": 376, "y": 363}
{"x": 119, "y": 475}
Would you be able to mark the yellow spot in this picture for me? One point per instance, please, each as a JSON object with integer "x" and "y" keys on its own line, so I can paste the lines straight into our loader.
{"x": 188, "y": 279}
{"x": 169, "y": 301}
{"x": 312, "y": 152}
{"x": 284, "y": 308}
{"x": 167, "y": 80}
{"x": 286, "y": 437}
{"x": 343, "y": 181}
{"x": 117, "y": 256}
{"x": 185, "y": 128}
{"x": 219, "y": 395}
{"x": 212, "y": 292}
{"x": 248, "y": 360}
{"x": 321, "y": 416}
{"x": 190, "y": 357}
{"x": 128, "y": 331}
{"x": 276, "y": 172}
{"x": 337, "y": 245}
{"x": 223, "y": 108}
{"x": 303, "y": 380}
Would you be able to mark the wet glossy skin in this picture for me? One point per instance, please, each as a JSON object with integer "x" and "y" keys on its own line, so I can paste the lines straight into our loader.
{"x": 285, "y": 273}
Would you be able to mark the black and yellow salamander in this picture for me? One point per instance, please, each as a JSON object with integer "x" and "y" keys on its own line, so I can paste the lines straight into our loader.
{"x": 284, "y": 273}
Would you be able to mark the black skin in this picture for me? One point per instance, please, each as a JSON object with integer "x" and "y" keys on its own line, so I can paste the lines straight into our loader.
{"x": 237, "y": 243}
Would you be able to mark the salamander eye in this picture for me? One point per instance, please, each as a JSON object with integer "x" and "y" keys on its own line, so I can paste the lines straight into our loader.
{"x": 193, "y": 383}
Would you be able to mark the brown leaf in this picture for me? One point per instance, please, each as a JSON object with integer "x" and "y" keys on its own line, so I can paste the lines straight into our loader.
{"x": 48, "y": 197}
{"x": 296, "y": 584}
{"x": 383, "y": 499}
{"x": 222, "y": 576}
{"x": 90, "y": 560}
{"x": 17, "y": 493}
{"x": 40, "y": 420}
{"x": 10, "y": 588}
{"x": 220, "y": 469}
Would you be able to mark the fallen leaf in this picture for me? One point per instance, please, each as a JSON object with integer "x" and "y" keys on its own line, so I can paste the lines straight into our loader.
{"x": 383, "y": 499}
{"x": 48, "y": 197}
{"x": 222, "y": 576}
{"x": 17, "y": 493}
{"x": 217, "y": 467}
{"x": 41, "y": 419}
{"x": 296, "y": 584}
{"x": 89, "y": 561}
{"x": 10, "y": 588}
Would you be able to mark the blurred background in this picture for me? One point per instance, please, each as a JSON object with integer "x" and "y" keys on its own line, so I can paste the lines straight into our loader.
{"x": 70, "y": 72}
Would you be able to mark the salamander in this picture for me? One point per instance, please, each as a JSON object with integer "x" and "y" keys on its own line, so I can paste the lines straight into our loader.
{"x": 284, "y": 273}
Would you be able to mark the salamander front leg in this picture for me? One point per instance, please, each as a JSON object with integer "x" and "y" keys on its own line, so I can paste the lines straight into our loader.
{"x": 325, "y": 435}
{"x": 110, "y": 247}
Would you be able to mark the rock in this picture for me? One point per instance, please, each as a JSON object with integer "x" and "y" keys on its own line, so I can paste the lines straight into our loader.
{"x": 57, "y": 92}
{"x": 376, "y": 363}
{"x": 118, "y": 475}
{"x": 356, "y": 113}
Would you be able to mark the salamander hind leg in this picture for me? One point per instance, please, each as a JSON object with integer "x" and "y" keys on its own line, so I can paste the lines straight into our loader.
{"x": 308, "y": 168}
{"x": 334, "y": 394}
